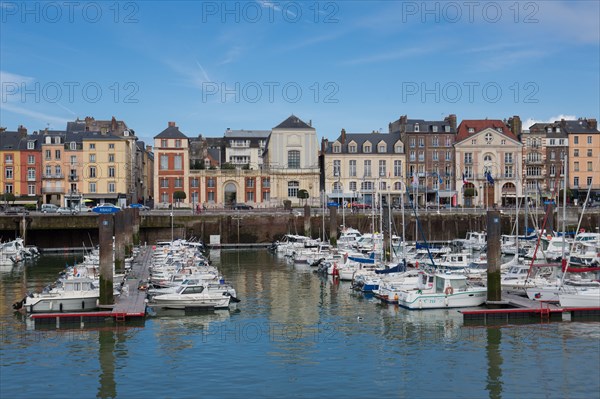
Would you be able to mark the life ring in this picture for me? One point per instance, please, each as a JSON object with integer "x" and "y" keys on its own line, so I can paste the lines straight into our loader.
{"x": 449, "y": 291}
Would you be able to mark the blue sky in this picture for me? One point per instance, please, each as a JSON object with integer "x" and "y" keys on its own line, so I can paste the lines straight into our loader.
{"x": 356, "y": 65}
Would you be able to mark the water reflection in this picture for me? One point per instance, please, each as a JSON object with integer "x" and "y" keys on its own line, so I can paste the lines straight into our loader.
{"x": 494, "y": 362}
{"x": 296, "y": 329}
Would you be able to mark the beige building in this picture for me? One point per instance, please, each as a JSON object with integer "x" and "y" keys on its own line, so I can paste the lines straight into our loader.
{"x": 358, "y": 166}
{"x": 488, "y": 159}
{"x": 291, "y": 162}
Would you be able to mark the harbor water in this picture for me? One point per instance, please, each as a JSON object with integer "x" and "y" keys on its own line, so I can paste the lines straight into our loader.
{"x": 295, "y": 334}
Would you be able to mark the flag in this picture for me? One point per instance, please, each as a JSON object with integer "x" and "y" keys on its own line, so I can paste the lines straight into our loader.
{"x": 465, "y": 181}
{"x": 441, "y": 181}
{"x": 489, "y": 177}
{"x": 415, "y": 181}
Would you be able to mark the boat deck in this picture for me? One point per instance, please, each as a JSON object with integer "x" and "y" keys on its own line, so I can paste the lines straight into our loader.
{"x": 130, "y": 304}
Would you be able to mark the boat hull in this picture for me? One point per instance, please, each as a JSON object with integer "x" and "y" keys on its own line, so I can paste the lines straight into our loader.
{"x": 414, "y": 300}
{"x": 61, "y": 304}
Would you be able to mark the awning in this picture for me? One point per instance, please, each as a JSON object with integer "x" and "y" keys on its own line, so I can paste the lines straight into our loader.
{"x": 447, "y": 193}
{"x": 342, "y": 195}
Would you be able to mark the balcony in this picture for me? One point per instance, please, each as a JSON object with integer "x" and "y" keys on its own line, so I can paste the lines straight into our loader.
{"x": 53, "y": 190}
{"x": 73, "y": 178}
{"x": 54, "y": 176}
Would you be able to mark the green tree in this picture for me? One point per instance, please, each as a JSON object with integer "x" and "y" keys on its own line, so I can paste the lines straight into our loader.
{"x": 303, "y": 194}
{"x": 227, "y": 165}
{"x": 178, "y": 196}
{"x": 469, "y": 192}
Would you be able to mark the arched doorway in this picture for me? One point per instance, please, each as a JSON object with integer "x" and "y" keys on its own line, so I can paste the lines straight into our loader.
{"x": 230, "y": 195}
{"x": 509, "y": 194}
{"x": 469, "y": 192}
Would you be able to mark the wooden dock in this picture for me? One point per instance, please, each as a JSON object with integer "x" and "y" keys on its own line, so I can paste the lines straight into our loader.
{"x": 131, "y": 304}
{"x": 517, "y": 309}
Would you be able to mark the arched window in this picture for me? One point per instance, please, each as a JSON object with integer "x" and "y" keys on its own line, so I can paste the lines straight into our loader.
{"x": 294, "y": 159}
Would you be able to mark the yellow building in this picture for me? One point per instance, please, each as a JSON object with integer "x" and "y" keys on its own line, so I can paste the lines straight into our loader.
{"x": 584, "y": 157}
{"x": 106, "y": 168}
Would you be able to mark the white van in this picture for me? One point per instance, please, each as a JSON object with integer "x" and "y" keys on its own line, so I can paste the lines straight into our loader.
{"x": 49, "y": 208}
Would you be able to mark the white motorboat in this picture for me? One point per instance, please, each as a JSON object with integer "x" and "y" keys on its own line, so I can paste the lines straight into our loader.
{"x": 448, "y": 291}
{"x": 71, "y": 295}
{"x": 582, "y": 298}
{"x": 193, "y": 296}
{"x": 474, "y": 240}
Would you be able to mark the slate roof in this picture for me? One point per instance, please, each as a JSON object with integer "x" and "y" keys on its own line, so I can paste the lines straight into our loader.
{"x": 479, "y": 125}
{"x": 247, "y": 134}
{"x": 293, "y": 122}
{"x": 361, "y": 138}
{"x": 578, "y": 127}
{"x": 171, "y": 132}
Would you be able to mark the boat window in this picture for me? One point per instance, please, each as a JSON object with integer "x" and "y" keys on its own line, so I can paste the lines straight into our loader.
{"x": 439, "y": 285}
{"x": 458, "y": 284}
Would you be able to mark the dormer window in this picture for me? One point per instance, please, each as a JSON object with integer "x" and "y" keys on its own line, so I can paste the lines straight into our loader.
{"x": 72, "y": 146}
{"x": 337, "y": 149}
{"x": 549, "y": 130}
{"x": 499, "y": 129}
{"x": 398, "y": 149}
{"x": 447, "y": 129}
{"x": 48, "y": 140}
{"x": 30, "y": 145}
{"x": 434, "y": 128}
{"x": 382, "y": 148}
{"x": 416, "y": 127}
{"x": 367, "y": 148}
{"x": 352, "y": 148}
{"x": 471, "y": 130}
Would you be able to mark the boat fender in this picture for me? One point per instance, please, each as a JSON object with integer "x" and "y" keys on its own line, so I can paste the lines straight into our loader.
{"x": 416, "y": 264}
{"x": 449, "y": 291}
{"x": 395, "y": 297}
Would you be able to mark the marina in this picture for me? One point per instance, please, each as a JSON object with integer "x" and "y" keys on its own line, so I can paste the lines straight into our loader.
{"x": 295, "y": 326}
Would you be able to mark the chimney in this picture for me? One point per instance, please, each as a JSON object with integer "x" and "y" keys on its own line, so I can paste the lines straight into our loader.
{"x": 516, "y": 125}
{"x": 403, "y": 120}
{"x": 22, "y": 131}
{"x": 343, "y": 137}
{"x": 592, "y": 124}
{"x": 452, "y": 121}
{"x": 324, "y": 144}
{"x": 310, "y": 122}
{"x": 171, "y": 124}
{"x": 148, "y": 148}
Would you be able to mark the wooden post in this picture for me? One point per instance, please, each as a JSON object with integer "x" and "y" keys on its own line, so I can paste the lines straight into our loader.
{"x": 120, "y": 241}
{"x": 332, "y": 225}
{"x": 128, "y": 218}
{"x": 136, "y": 226}
{"x": 307, "y": 229}
{"x": 494, "y": 289}
{"x": 105, "y": 235}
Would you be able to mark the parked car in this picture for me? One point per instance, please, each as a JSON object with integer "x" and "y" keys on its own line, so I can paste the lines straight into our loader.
{"x": 140, "y": 207}
{"x": 49, "y": 208}
{"x": 106, "y": 208}
{"x": 15, "y": 210}
{"x": 359, "y": 205}
{"x": 239, "y": 207}
{"x": 82, "y": 208}
{"x": 63, "y": 210}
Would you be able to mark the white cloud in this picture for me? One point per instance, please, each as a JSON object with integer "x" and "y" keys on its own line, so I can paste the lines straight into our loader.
{"x": 42, "y": 117}
{"x": 531, "y": 121}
